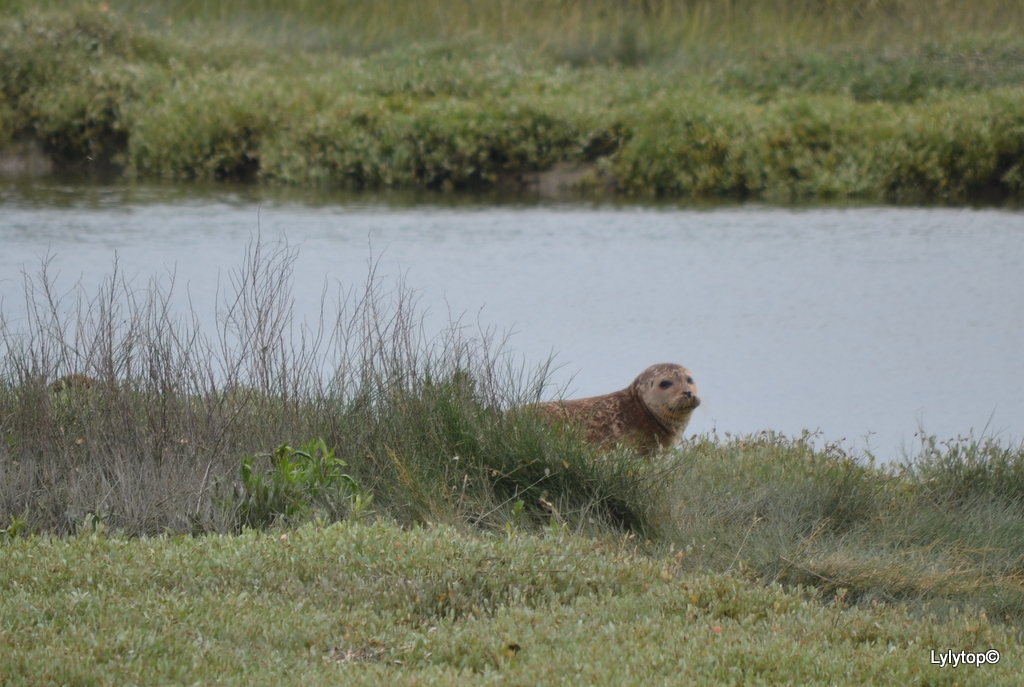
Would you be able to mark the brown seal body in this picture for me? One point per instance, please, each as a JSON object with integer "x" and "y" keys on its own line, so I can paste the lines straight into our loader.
{"x": 651, "y": 412}
{"x": 74, "y": 381}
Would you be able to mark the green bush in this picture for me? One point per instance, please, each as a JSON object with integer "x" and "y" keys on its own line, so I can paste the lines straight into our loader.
{"x": 65, "y": 80}
{"x": 968, "y": 470}
{"x": 299, "y": 480}
{"x": 930, "y": 122}
{"x": 403, "y": 141}
{"x": 206, "y": 126}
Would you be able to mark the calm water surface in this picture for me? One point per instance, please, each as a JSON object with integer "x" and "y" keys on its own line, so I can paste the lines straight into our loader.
{"x": 865, "y": 324}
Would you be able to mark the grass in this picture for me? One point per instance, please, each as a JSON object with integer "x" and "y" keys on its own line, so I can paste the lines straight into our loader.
{"x": 374, "y": 603}
{"x": 193, "y": 431}
{"x": 355, "y": 496}
{"x": 776, "y": 101}
{"x": 583, "y": 31}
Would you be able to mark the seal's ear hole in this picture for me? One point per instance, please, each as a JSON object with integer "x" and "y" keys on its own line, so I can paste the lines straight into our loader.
{"x": 665, "y": 383}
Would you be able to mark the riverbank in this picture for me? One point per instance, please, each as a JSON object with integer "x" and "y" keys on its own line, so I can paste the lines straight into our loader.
{"x": 267, "y": 425}
{"x": 922, "y": 121}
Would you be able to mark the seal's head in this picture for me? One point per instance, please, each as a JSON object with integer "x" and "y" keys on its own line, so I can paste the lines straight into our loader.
{"x": 651, "y": 412}
{"x": 669, "y": 393}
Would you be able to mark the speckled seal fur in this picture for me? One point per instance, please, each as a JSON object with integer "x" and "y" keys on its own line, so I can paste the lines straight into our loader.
{"x": 74, "y": 381}
{"x": 651, "y": 412}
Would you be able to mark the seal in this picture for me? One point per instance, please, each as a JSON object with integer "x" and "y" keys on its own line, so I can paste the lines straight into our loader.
{"x": 650, "y": 413}
{"x": 74, "y": 381}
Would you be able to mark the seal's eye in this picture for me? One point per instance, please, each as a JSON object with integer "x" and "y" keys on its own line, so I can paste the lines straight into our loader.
{"x": 689, "y": 380}
{"x": 665, "y": 383}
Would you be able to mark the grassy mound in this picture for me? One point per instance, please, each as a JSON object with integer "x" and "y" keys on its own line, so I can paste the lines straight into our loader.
{"x": 364, "y": 417}
{"x": 271, "y": 421}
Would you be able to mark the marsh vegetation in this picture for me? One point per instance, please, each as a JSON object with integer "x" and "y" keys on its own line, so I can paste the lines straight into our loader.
{"x": 900, "y": 101}
{"x": 362, "y": 414}
{"x": 355, "y": 496}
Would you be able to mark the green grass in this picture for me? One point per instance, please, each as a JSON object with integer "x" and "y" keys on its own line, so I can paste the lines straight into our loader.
{"x": 373, "y": 604}
{"x": 580, "y": 31}
{"x": 888, "y": 102}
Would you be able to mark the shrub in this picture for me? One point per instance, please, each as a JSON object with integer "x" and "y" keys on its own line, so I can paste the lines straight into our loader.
{"x": 298, "y": 480}
{"x": 966, "y": 470}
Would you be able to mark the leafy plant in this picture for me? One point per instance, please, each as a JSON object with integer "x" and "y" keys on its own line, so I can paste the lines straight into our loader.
{"x": 17, "y": 528}
{"x": 298, "y": 480}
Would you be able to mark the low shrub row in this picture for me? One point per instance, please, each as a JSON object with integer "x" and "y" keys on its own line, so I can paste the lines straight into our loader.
{"x": 93, "y": 89}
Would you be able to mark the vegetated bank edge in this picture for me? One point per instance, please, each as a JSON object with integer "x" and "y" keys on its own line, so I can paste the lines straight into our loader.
{"x": 187, "y": 433}
{"x": 92, "y": 90}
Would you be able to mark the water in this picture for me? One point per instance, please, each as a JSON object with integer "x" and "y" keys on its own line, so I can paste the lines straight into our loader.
{"x": 865, "y": 324}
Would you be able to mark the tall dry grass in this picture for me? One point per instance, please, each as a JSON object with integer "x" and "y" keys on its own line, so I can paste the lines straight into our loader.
{"x": 183, "y": 426}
